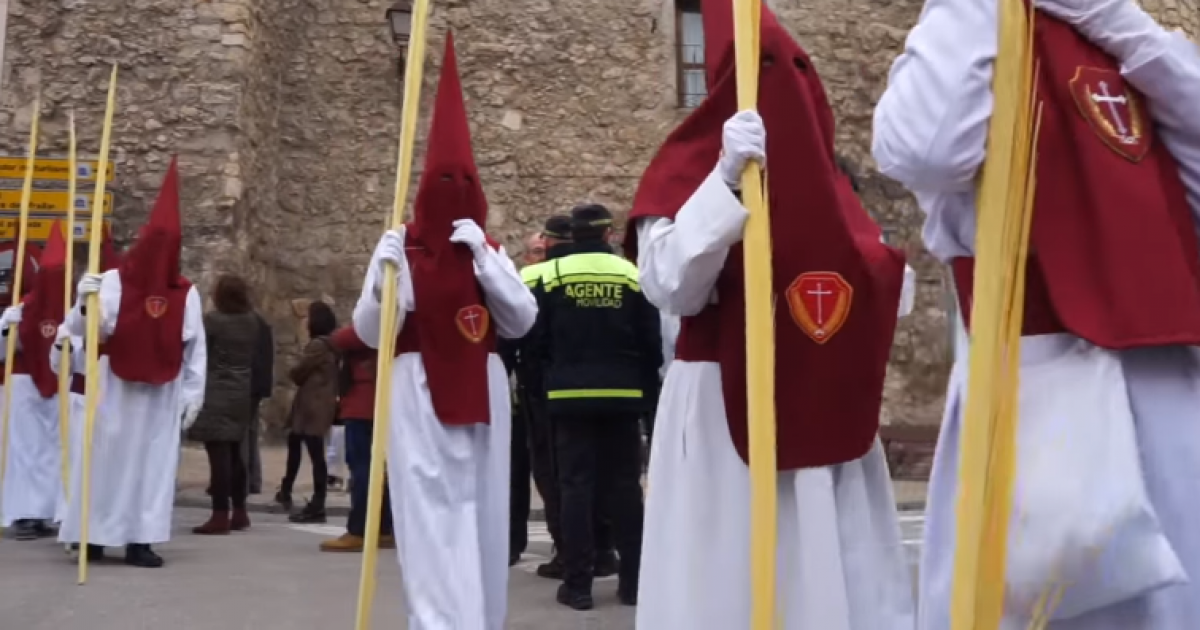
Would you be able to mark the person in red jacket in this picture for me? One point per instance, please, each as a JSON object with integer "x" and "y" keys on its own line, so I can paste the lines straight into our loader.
{"x": 356, "y": 410}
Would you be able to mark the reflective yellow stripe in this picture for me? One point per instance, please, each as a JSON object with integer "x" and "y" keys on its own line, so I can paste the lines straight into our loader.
{"x": 564, "y": 394}
{"x": 595, "y": 267}
{"x": 531, "y": 274}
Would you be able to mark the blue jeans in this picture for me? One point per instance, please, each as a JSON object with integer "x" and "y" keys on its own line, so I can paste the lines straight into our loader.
{"x": 358, "y": 458}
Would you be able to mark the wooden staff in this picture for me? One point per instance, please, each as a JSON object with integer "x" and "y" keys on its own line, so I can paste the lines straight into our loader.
{"x": 987, "y": 464}
{"x": 91, "y": 339}
{"x": 18, "y": 269}
{"x": 760, "y": 337}
{"x": 65, "y": 369}
{"x": 413, "y": 71}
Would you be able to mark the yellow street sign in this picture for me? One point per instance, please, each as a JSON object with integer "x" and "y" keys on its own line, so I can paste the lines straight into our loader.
{"x": 49, "y": 169}
{"x": 39, "y": 227}
{"x": 51, "y": 202}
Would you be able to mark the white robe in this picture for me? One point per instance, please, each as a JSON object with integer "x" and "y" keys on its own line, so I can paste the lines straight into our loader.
{"x": 841, "y": 563}
{"x": 33, "y": 479}
{"x": 450, "y": 485}
{"x": 135, "y": 446}
{"x": 930, "y": 133}
{"x": 78, "y": 413}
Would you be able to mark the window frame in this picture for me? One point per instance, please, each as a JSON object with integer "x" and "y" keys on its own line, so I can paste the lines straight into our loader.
{"x": 682, "y": 97}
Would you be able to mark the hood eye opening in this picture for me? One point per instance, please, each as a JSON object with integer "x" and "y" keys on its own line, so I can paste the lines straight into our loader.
{"x": 799, "y": 63}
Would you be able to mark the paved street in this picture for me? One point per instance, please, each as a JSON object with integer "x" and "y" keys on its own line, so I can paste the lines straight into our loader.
{"x": 271, "y": 578}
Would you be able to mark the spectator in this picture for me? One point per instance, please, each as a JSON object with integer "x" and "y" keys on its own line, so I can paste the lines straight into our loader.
{"x": 313, "y": 411}
{"x": 357, "y": 411}
{"x": 262, "y": 381}
{"x": 231, "y": 330}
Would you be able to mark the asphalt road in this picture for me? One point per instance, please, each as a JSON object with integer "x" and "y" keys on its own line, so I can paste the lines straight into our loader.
{"x": 270, "y": 578}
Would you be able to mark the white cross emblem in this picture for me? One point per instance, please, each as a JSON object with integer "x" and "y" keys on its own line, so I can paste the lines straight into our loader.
{"x": 472, "y": 317}
{"x": 1105, "y": 98}
{"x": 820, "y": 292}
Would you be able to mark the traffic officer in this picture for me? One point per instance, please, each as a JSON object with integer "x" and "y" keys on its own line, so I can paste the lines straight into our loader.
{"x": 533, "y": 432}
{"x": 601, "y": 342}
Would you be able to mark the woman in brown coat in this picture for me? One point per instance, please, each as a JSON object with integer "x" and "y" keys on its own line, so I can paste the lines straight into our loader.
{"x": 230, "y": 332}
{"x": 313, "y": 412}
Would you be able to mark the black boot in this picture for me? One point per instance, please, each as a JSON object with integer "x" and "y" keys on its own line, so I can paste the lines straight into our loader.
{"x": 627, "y": 594}
{"x": 314, "y": 512}
{"x": 551, "y": 570}
{"x": 140, "y": 555}
{"x": 23, "y": 530}
{"x": 45, "y": 529}
{"x": 284, "y": 499}
{"x": 95, "y": 552}
{"x": 576, "y": 600}
{"x": 607, "y": 564}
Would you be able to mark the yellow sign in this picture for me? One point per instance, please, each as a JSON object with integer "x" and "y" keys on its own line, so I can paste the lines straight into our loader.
{"x": 39, "y": 227}
{"x": 51, "y": 202}
{"x": 51, "y": 169}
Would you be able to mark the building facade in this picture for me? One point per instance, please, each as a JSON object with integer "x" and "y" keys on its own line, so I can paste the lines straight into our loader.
{"x": 284, "y": 115}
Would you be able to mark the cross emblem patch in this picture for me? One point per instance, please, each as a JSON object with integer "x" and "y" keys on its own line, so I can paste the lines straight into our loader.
{"x": 1113, "y": 110}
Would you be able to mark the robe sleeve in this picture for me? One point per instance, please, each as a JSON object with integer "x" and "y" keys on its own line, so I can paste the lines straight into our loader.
{"x": 110, "y": 307}
{"x": 1170, "y": 81}
{"x": 931, "y": 123}
{"x": 368, "y": 314}
{"x": 195, "y": 351}
{"x": 512, "y": 306}
{"x": 679, "y": 261}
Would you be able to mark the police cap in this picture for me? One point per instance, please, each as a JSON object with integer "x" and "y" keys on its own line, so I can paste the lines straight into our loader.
{"x": 590, "y": 221}
{"x": 558, "y": 227}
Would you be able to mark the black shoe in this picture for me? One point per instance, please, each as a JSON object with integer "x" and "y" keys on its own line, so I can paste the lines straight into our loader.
{"x": 95, "y": 552}
{"x": 333, "y": 482}
{"x": 607, "y": 564}
{"x": 513, "y": 558}
{"x": 44, "y": 529}
{"x": 137, "y": 555}
{"x": 313, "y": 513}
{"x": 576, "y": 600}
{"x": 284, "y": 501}
{"x": 23, "y": 530}
{"x": 627, "y": 596}
{"x": 551, "y": 570}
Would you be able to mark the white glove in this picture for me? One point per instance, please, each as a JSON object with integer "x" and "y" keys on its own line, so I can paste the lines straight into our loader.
{"x": 11, "y": 317}
{"x": 467, "y": 232}
{"x": 191, "y": 411}
{"x": 389, "y": 249}
{"x": 64, "y": 332}
{"x": 88, "y": 285}
{"x": 1119, "y": 27}
{"x": 744, "y": 139}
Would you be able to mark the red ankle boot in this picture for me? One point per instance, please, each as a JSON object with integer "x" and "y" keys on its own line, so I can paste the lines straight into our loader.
{"x": 217, "y": 525}
{"x": 240, "y": 521}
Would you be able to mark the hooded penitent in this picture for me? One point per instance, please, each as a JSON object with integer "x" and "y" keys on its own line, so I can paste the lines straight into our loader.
{"x": 44, "y": 309}
{"x": 8, "y": 253}
{"x": 1114, "y": 252}
{"x": 146, "y": 346}
{"x": 451, "y": 326}
{"x": 837, "y": 286}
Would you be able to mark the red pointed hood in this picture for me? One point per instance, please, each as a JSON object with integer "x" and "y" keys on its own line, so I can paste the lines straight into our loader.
{"x": 146, "y": 345}
{"x": 152, "y": 264}
{"x": 43, "y": 311}
{"x": 449, "y": 189}
{"x": 823, "y": 238}
{"x": 8, "y": 252}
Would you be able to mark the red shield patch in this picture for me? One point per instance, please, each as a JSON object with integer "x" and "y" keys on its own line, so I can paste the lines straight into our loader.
{"x": 820, "y": 303}
{"x": 472, "y": 322}
{"x": 1113, "y": 110}
{"x": 156, "y": 306}
{"x": 48, "y": 329}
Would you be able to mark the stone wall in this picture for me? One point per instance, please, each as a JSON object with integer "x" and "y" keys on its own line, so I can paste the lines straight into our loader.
{"x": 284, "y": 114}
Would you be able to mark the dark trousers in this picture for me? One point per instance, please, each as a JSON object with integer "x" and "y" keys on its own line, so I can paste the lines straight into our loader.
{"x": 519, "y": 495}
{"x": 251, "y": 456}
{"x": 359, "y": 434}
{"x": 541, "y": 456}
{"x": 315, "y": 445}
{"x": 227, "y": 475}
{"x": 599, "y": 461}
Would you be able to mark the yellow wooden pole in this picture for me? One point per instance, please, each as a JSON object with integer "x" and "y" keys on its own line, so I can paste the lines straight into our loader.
{"x": 413, "y": 72}
{"x": 64, "y": 363}
{"x": 987, "y": 461}
{"x": 18, "y": 275}
{"x": 760, "y": 337}
{"x": 92, "y": 337}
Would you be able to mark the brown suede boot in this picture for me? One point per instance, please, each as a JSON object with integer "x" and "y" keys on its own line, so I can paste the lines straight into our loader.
{"x": 346, "y": 543}
{"x": 240, "y": 521}
{"x": 217, "y": 525}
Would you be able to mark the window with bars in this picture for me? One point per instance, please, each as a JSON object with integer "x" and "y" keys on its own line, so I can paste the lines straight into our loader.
{"x": 689, "y": 36}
